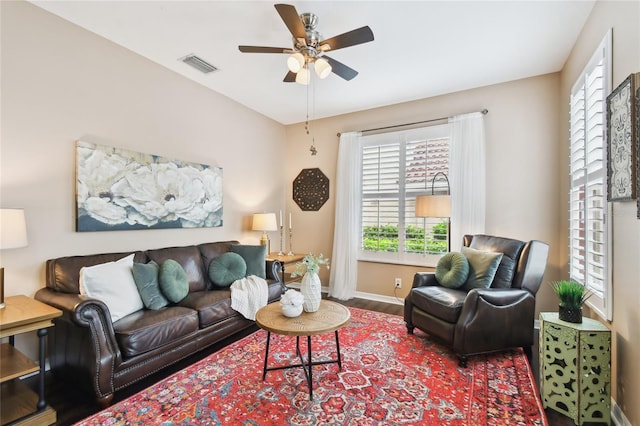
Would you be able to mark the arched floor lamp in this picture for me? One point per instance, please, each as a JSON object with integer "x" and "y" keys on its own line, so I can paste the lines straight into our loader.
{"x": 432, "y": 205}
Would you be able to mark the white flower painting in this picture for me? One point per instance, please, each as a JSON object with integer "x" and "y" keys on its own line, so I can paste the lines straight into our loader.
{"x": 120, "y": 190}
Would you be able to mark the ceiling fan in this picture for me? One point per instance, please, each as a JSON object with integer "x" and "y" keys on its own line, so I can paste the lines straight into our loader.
{"x": 309, "y": 47}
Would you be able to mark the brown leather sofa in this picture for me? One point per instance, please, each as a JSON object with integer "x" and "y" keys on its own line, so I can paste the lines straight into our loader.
{"x": 482, "y": 320}
{"x": 87, "y": 348}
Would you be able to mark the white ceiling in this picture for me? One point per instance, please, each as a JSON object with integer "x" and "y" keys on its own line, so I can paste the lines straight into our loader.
{"x": 421, "y": 48}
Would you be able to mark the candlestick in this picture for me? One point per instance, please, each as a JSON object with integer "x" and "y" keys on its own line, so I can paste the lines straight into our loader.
{"x": 281, "y": 253}
{"x": 290, "y": 241}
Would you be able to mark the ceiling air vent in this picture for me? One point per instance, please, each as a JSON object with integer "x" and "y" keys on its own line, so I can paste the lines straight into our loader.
{"x": 199, "y": 64}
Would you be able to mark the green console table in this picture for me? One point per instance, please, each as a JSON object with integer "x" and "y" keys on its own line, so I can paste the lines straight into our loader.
{"x": 575, "y": 368}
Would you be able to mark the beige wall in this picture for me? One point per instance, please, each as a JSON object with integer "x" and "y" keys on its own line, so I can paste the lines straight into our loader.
{"x": 61, "y": 83}
{"x": 523, "y": 170}
{"x": 624, "y": 18}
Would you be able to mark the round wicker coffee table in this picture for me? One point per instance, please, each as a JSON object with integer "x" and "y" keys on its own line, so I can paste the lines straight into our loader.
{"x": 329, "y": 317}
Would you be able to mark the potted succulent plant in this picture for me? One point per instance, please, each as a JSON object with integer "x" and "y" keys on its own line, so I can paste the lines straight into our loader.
{"x": 572, "y": 296}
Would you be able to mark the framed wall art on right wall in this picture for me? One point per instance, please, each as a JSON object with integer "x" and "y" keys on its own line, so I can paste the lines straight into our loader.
{"x": 637, "y": 142}
{"x": 622, "y": 134}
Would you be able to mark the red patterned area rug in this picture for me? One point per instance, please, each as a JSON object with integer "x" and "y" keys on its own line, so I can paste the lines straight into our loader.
{"x": 388, "y": 377}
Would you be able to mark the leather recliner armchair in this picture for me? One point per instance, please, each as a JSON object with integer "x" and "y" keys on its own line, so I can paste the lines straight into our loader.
{"x": 482, "y": 320}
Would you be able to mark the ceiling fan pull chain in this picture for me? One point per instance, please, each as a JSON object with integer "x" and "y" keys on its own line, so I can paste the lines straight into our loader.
{"x": 308, "y": 100}
{"x": 307, "y": 124}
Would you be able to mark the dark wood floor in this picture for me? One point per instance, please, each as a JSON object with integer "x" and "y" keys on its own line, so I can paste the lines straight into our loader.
{"x": 73, "y": 405}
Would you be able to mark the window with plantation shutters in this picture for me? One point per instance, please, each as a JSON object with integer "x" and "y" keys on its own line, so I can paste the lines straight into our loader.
{"x": 589, "y": 245}
{"x": 396, "y": 167}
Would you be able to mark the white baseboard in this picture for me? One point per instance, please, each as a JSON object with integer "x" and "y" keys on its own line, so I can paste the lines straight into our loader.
{"x": 617, "y": 416}
{"x": 360, "y": 295}
{"x": 378, "y": 298}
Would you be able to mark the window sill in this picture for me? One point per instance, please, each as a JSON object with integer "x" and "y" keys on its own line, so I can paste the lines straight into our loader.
{"x": 409, "y": 262}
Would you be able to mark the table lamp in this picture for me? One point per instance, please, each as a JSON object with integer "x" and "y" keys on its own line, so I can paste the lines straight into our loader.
{"x": 265, "y": 222}
{"x": 13, "y": 234}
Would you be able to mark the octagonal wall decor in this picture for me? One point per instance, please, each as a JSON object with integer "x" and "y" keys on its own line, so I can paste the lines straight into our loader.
{"x": 311, "y": 189}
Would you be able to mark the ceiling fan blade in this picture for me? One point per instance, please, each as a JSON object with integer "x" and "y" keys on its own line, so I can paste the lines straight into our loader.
{"x": 350, "y": 38}
{"x": 291, "y": 19}
{"x": 341, "y": 69}
{"x": 290, "y": 77}
{"x": 261, "y": 49}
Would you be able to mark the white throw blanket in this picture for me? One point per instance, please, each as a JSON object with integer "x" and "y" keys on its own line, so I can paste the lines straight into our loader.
{"x": 248, "y": 295}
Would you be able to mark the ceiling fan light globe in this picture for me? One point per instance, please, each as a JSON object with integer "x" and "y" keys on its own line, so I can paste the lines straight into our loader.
{"x": 322, "y": 67}
{"x": 303, "y": 76}
{"x": 295, "y": 62}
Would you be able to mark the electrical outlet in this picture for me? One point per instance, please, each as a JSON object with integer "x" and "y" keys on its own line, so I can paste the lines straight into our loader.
{"x": 398, "y": 283}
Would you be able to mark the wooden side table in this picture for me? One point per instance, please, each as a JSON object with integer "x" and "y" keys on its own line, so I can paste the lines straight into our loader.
{"x": 330, "y": 316}
{"x": 575, "y": 368}
{"x": 285, "y": 261}
{"x": 19, "y": 403}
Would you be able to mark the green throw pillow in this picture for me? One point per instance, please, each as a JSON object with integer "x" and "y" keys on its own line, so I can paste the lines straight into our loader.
{"x": 482, "y": 267}
{"x": 452, "y": 270}
{"x": 173, "y": 281}
{"x": 226, "y": 268}
{"x": 146, "y": 278}
{"x": 254, "y": 256}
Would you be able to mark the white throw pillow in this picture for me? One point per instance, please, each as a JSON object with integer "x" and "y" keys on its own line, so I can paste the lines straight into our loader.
{"x": 113, "y": 284}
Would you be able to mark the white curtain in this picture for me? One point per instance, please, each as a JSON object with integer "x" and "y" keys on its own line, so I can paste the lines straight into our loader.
{"x": 344, "y": 260}
{"x": 467, "y": 171}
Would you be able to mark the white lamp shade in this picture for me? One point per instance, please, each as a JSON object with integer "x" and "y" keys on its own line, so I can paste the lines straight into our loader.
{"x": 303, "y": 76}
{"x": 433, "y": 206}
{"x": 13, "y": 229}
{"x": 264, "y": 222}
{"x": 323, "y": 68}
{"x": 295, "y": 62}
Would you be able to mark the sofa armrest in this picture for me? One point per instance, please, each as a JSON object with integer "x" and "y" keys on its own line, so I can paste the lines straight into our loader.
{"x": 66, "y": 302}
{"x": 421, "y": 279}
{"x": 78, "y": 307}
{"x": 274, "y": 270}
{"x": 494, "y": 319}
{"x": 503, "y": 297}
{"x": 91, "y": 316}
